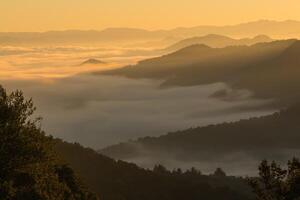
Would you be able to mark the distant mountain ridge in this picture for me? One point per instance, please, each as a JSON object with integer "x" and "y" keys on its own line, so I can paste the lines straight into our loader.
{"x": 218, "y": 41}
{"x": 274, "y": 29}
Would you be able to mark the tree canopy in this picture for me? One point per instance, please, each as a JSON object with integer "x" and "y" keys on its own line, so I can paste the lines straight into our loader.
{"x": 276, "y": 183}
{"x": 29, "y": 167}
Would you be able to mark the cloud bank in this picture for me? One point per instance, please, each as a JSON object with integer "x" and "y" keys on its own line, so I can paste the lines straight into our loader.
{"x": 100, "y": 110}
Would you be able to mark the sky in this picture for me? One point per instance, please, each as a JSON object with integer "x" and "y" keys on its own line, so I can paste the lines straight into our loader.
{"x": 45, "y": 15}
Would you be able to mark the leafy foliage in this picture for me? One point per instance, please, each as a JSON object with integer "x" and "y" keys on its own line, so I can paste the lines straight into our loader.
{"x": 276, "y": 183}
{"x": 29, "y": 168}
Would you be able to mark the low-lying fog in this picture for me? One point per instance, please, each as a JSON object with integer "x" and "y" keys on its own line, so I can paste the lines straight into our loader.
{"x": 240, "y": 163}
{"x": 63, "y": 61}
{"x": 98, "y": 111}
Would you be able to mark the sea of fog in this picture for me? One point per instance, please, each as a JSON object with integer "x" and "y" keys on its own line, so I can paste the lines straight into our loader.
{"x": 97, "y": 111}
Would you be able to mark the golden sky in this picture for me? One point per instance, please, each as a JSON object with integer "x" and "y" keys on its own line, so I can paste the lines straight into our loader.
{"x": 43, "y": 15}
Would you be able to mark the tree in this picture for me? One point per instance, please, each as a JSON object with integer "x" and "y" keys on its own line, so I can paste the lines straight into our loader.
{"x": 219, "y": 173}
{"x": 160, "y": 169}
{"x": 193, "y": 172}
{"x": 275, "y": 183}
{"x": 29, "y": 168}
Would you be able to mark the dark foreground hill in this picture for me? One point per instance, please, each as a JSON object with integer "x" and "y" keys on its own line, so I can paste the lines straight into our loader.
{"x": 118, "y": 180}
{"x": 269, "y": 70}
{"x": 274, "y": 137}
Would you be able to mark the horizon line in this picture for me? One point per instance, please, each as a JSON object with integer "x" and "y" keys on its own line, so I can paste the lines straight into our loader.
{"x": 155, "y": 30}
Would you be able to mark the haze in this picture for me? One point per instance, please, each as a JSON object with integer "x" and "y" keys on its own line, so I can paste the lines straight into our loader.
{"x": 150, "y": 99}
{"x": 108, "y": 73}
{"x": 35, "y": 15}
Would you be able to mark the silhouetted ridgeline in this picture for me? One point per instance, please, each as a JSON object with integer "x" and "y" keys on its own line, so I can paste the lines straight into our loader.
{"x": 272, "y": 137}
{"x": 269, "y": 70}
{"x": 117, "y": 180}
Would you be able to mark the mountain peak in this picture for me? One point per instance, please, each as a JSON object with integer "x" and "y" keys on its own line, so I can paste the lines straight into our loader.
{"x": 262, "y": 37}
{"x": 92, "y": 61}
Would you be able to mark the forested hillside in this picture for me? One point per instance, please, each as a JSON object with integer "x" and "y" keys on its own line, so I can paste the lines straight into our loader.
{"x": 257, "y": 138}
{"x": 117, "y": 180}
{"x": 269, "y": 70}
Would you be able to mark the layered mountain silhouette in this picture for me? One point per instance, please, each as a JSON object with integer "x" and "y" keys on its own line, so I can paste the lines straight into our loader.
{"x": 269, "y": 70}
{"x": 273, "y": 137}
{"x": 274, "y": 29}
{"x": 218, "y": 41}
